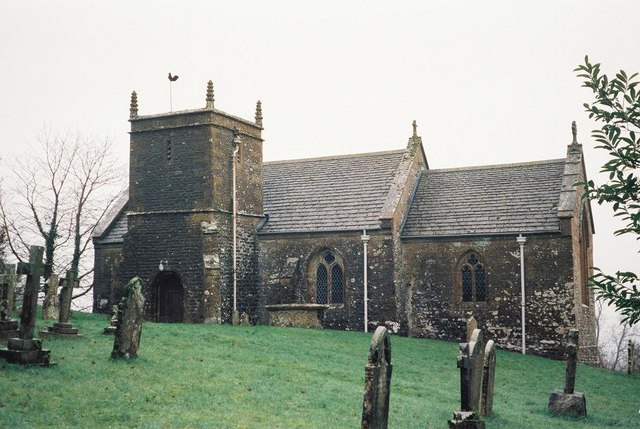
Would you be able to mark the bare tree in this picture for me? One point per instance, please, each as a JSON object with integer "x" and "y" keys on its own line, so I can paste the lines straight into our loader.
{"x": 614, "y": 336}
{"x": 60, "y": 191}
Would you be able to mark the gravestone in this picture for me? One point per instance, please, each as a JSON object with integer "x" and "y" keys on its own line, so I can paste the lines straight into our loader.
{"x": 113, "y": 321}
{"x": 62, "y": 327}
{"x": 631, "y": 362}
{"x": 377, "y": 381}
{"x": 129, "y": 326}
{"x": 488, "y": 378}
{"x": 50, "y": 306}
{"x": 25, "y": 349}
{"x": 569, "y": 402}
{"x": 472, "y": 325}
{"x": 471, "y": 365}
{"x": 8, "y": 326}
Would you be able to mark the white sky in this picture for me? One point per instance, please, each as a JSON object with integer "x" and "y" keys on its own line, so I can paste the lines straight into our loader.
{"x": 488, "y": 82}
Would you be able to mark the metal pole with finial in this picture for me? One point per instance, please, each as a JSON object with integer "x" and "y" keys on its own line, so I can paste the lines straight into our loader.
{"x": 171, "y": 80}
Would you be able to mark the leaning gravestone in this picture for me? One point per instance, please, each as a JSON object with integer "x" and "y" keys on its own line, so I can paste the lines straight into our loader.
{"x": 488, "y": 378}
{"x": 631, "y": 361}
{"x": 377, "y": 381}
{"x": 8, "y": 326}
{"x": 130, "y": 316}
{"x": 25, "y": 349}
{"x": 569, "y": 402}
{"x": 63, "y": 328}
{"x": 50, "y": 306}
{"x": 471, "y": 364}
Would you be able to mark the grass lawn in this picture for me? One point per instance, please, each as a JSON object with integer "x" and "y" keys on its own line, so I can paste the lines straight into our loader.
{"x": 221, "y": 376}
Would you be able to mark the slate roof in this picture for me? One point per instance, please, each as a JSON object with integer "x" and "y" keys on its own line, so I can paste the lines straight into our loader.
{"x": 117, "y": 230}
{"x": 496, "y": 199}
{"x": 114, "y": 225}
{"x": 328, "y": 194}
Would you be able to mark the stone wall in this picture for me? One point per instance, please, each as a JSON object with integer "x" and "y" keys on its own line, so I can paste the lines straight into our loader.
{"x": 284, "y": 267}
{"x": 434, "y": 306}
{"x": 108, "y": 258}
{"x": 181, "y": 209}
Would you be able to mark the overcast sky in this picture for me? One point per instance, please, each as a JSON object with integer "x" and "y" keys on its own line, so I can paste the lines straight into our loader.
{"x": 488, "y": 82}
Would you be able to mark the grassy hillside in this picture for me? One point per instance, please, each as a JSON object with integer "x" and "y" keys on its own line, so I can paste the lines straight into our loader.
{"x": 207, "y": 376}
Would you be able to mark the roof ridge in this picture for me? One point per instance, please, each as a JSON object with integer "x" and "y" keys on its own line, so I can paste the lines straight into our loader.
{"x": 495, "y": 166}
{"x": 326, "y": 158}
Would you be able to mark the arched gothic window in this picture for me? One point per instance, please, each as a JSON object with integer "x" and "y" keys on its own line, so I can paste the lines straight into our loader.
{"x": 473, "y": 279}
{"x": 329, "y": 279}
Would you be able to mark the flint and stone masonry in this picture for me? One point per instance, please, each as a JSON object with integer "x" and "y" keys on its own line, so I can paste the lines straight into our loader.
{"x": 442, "y": 243}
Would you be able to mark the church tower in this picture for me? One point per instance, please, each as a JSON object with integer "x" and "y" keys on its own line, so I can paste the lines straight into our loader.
{"x": 186, "y": 221}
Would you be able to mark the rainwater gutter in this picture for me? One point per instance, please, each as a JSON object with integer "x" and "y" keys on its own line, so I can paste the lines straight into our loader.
{"x": 236, "y": 147}
{"x": 365, "y": 241}
{"x": 521, "y": 241}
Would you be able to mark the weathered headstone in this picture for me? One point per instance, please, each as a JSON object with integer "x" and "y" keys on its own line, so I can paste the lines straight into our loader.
{"x": 25, "y": 349}
{"x": 471, "y": 364}
{"x": 113, "y": 321}
{"x": 631, "y": 362}
{"x": 62, "y": 327}
{"x": 130, "y": 316}
{"x": 377, "y": 381}
{"x": 569, "y": 402}
{"x": 8, "y": 326}
{"x": 50, "y": 306}
{"x": 472, "y": 325}
{"x": 488, "y": 378}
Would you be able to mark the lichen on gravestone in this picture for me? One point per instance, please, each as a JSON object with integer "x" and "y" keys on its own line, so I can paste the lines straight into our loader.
{"x": 377, "y": 387}
{"x": 129, "y": 326}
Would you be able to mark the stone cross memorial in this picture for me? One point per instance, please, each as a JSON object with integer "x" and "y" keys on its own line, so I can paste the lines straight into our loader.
{"x": 377, "y": 381}
{"x": 129, "y": 326}
{"x": 27, "y": 350}
{"x": 63, "y": 327}
{"x": 8, "y": 326}
{"x": 471, "y": 364}
{"x": 569, "y": 402}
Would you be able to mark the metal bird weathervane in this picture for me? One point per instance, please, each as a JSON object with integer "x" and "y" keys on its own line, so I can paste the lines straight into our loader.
{"x": 171, "y": 80}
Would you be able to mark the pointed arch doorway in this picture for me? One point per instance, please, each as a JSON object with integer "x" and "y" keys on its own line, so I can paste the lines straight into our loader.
{"x": 169, "y": 298}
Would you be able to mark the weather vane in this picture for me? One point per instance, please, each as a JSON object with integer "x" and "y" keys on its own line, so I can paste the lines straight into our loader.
{"x": 171, "y": 80}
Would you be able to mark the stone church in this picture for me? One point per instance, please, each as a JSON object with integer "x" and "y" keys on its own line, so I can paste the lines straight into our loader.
{"x": 215, "y": 232}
